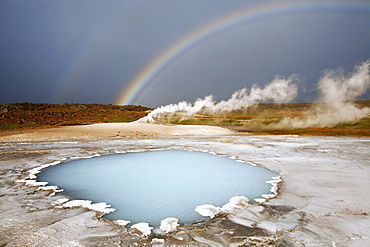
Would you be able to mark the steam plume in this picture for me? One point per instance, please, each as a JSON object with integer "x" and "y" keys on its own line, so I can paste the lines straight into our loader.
{"x": 280, "y": 90}
{"x": 332, "y": 107}
{"x": 336, "y": 90}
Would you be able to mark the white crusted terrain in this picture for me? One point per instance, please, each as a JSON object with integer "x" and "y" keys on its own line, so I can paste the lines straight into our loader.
{"x": 110, "y": 130}
{"x": 169, "y": 224}
{"x": 321, "y": 202}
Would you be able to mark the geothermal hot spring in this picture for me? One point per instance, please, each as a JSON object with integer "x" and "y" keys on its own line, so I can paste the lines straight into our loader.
{"x": 154, "y": 185}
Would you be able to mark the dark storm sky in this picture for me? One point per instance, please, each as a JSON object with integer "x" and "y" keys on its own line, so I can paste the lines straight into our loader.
{"x": 87, "y": 51}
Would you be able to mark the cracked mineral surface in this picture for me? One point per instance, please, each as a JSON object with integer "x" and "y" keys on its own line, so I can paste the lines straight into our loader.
{"x": 322, "y": 199}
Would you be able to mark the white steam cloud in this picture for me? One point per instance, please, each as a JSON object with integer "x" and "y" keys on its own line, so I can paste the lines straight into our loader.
{"x": 280, "y": 90}
{"x": 333, "y": 107}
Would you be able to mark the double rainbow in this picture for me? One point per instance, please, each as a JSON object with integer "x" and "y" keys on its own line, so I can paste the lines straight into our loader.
{"x": 135, "y": 87}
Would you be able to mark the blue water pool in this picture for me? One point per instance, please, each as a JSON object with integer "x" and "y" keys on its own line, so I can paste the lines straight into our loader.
{"x": 154, "y": 185}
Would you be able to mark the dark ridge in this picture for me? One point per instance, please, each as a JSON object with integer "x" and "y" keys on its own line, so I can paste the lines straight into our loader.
{"x": 35, "y": 115}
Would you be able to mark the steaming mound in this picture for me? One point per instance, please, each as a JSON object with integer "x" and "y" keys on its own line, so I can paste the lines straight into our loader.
{"x": 336, "y": 92}
{"x": 332, "y": 107}
{"x": 280, "y": 90}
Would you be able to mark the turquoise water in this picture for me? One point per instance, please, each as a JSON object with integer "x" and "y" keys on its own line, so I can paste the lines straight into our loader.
{"x": 151, "y": 186}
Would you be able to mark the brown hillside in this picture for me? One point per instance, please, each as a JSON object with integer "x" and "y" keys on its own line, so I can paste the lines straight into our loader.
{"x": 35, "y": 115}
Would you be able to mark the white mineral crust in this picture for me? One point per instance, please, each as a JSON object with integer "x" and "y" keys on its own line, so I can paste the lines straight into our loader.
{"x": 122, "y": 222}
{"x": 235, "y": 203}
{"x": 208, "y": 210}
{"x": 99, "y": 207}
{"x": 169, "y": 224}
{"x": 143, "y": 227}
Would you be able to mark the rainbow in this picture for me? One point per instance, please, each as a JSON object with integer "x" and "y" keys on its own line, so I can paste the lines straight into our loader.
{"x": 135, "y": 87}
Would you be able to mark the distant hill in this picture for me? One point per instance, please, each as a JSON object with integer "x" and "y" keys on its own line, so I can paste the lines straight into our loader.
{"x": 36, "y": 115}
